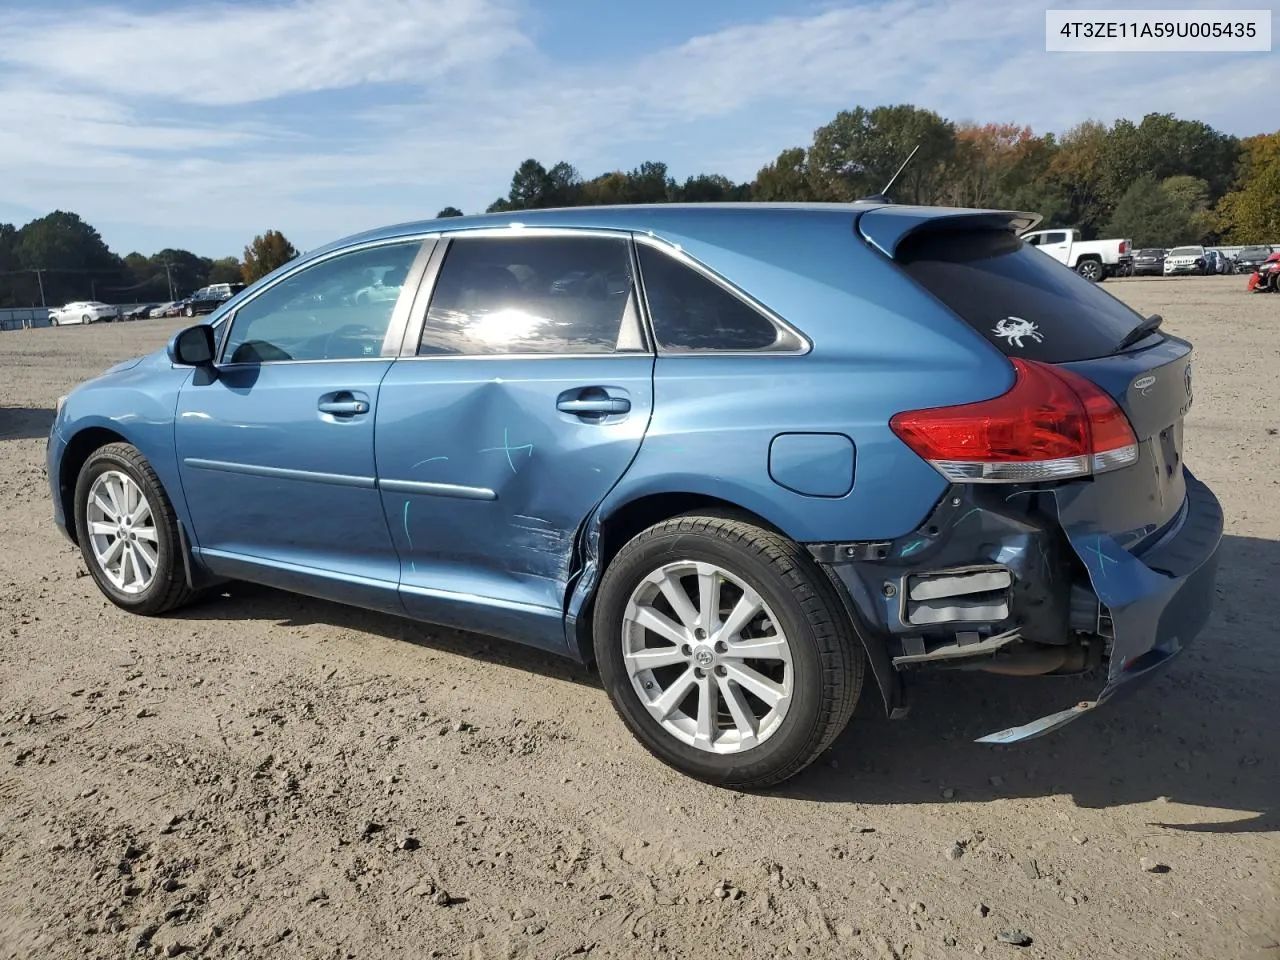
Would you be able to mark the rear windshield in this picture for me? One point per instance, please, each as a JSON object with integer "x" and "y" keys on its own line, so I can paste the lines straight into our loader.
{"x": 1023, "y": 301}
{"x": 1151, "y": 252}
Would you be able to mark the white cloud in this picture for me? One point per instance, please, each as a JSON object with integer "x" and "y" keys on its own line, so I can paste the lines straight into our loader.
{"x": 205, "y": 123}
{"x": 226, "y": 54}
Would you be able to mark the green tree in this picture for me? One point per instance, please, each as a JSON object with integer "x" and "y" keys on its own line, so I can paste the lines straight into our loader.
{"x": 73, "y": 259}
{"x": 710, "y": 188}
{"x": 186, "y": 270}
{"x": 267, "y": 252}
{"x": 1162, "y": 213}
{"x": 1250, "y": 213}
{"x": 449, "y": 212}
{"x": 225, "y": 270}
{"x": 857, "y": 153}
{"x": 1076, "y": 175}
{"x": 786, "y": 179}
{"x": 1164, "y": 146}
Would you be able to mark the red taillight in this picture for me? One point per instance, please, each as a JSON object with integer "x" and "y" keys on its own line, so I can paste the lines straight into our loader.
{"x": 1052, "y": 424}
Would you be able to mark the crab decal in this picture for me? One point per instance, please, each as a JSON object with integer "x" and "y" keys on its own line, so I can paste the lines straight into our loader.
{"x": 1014, "y": 329}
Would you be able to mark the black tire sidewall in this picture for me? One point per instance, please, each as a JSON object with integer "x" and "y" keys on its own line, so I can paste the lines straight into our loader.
{"x": 797, "y": 731}
{"x": 103, "y": 461}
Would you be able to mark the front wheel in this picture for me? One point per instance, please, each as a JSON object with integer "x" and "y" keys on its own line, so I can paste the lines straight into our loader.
{"x": 86, "y": 319}
{"x": 191, "y": 311}
{"x": 1091, "y": 270}
{"x": 128, "y": 532}
{"x": 725, "y": 650}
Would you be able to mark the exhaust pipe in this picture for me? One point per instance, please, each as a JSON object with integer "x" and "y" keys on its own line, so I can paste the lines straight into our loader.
{"x": 1038, "y": 661}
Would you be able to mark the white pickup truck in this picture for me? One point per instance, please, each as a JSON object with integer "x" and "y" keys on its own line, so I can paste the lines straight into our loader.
{"x": 1095, "y": 260}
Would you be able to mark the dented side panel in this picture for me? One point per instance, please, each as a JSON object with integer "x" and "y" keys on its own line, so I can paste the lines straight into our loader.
{"x": 486, "y": 483}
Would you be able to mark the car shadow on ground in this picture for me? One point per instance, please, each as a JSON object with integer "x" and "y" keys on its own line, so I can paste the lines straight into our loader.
{"x": 1202, "y": 734}
{"x": 25, "y": 423}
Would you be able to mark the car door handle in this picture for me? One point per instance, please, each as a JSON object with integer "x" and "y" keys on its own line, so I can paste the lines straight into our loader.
{"x": 600, "y": 405}
{"x": 343, "y": 407}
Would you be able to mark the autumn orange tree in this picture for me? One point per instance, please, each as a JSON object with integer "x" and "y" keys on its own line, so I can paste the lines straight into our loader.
{"x": 267, "y": 252}
{"x": 1250, "y": 213}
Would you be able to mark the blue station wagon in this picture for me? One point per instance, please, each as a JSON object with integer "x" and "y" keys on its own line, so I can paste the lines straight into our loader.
{"x": 738, "y": 456}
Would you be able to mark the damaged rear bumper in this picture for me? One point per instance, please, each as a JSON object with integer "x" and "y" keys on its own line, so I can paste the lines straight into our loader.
{"x": 937, "y": 598}
{"x": 1158, "y": 602}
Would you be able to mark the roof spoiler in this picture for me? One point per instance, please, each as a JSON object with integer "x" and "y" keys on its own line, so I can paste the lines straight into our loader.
{"x": 885, "y": 228}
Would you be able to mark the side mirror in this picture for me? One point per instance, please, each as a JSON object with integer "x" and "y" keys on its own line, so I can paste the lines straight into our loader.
{"x": 193, "y": 347}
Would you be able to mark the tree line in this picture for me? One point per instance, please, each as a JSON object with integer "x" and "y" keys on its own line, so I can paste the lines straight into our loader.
{"x": 1162, "y": 181}
{"x": 59, "y": 258}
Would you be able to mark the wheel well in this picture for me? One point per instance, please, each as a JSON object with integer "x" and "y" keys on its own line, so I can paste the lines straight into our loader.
{"x": 79, "y": 449}
{"x": 638, "y": 515}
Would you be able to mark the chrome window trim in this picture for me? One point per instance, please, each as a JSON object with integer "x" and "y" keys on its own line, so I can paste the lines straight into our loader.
{"x": 428, "y": 242}
{"x": 632, "y": 313}
{"x": 673, "y": 250}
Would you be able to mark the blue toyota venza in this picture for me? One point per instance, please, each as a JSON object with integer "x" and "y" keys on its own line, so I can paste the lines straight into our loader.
{"x": 737, "y": 455}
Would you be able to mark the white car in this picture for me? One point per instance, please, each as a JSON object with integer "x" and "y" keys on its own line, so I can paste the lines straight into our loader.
{"x": 1095, "y": 260}
{"x": 83, "y": 311}
{"x": 1190, "y": 259}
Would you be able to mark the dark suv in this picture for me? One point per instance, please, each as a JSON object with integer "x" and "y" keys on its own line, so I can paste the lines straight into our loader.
{"x": 1149, "y": 260}
{"x": 1248, "y": 259}
{"x": 208, "y": 299}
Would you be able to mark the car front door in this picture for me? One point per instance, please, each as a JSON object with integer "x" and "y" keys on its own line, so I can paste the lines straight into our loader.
{"x": 275, "y": 447}
{"x": 1057, "y": 245}
{"x": 523, "y": 398}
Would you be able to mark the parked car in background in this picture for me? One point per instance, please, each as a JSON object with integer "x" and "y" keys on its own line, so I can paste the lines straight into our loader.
{"x": 138, "y": 312}
{"x": 596, "y": 434}
{"x": 1216, "y": 262}
{"x": 1148, "y": 261}
{"x": 177, "y": 308}
{"x": 1265, "y": 277}
{"x": 207, "y": 299}
{"x": 1095, "y": 260}
{"x": 83, "y": 311}
{"x": 1248, "y": 259}
{"x": 1184, "y": 260}
{"x": 161, "y": 310}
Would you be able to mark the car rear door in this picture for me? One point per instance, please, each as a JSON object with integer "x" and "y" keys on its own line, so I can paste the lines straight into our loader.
{"x": 276, "y": 449}
{"x": 522, "y": 397}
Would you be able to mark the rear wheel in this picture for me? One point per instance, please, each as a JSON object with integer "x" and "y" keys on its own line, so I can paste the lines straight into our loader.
{"x": 1091, "y": 270}
{"x": 190, "y": 311}
{"x": 128, "y": 532}
{"x": 725, "y": 650}
{"x": 86, "y": 319}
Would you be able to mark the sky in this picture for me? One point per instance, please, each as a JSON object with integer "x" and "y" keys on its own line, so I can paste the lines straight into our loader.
{"x": 175, "y": 123}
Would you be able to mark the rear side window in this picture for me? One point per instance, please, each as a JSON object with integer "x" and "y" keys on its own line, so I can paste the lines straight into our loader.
{"x": 533, "y": 295}
{"x": 1025, "y": 303}
{"x": 693, "y": 314}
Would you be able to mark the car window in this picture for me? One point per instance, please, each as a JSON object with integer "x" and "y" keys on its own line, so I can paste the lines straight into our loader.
{"x": 319, "y": 313}
{"x": 1054, "y": 238}
{"x": 1025, "y": 303}
{"x": 533, "y": 295}
{"x": 691, "y": 313}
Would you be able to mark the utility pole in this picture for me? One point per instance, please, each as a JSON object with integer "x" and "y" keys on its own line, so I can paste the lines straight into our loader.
{"x": 93, "y": 289}
{"x": 40, "y": 280}
{"x": 169, "y": 277}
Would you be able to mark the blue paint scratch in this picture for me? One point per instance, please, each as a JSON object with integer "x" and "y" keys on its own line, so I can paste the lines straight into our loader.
{"x": 1098, "y": 551}
{"x": 407, "y": 536}
{"x": 508, "y": 449}
{"x": 911, "y": 548}
{"x": 428, "y": 460}
{"x": 966, "y": 516}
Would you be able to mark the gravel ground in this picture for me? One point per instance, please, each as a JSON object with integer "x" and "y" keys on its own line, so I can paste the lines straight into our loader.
{"x": 264, "y": 775}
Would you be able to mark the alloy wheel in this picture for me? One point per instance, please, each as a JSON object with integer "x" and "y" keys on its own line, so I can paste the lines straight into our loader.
{"x": 707, "y": 657}
{"x": 122, "y": 532}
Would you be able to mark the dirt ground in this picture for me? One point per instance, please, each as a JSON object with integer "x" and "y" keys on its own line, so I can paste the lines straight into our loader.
{"x": 264, "y": 775}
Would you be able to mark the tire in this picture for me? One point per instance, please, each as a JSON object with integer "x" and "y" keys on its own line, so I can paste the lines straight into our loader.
{"x": 1091, "y": 270}
{"x": 824, "y": 671}
{"x": 167, "y": 588}
{"x": 190, "y": 311}
{"x": 86, "y": 319}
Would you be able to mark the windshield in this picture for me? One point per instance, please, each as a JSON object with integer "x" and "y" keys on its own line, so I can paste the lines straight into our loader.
{"x": 1186, "y": 252}
{"x": 1026, "y": 304}
{"x": 1255, "y": 251}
